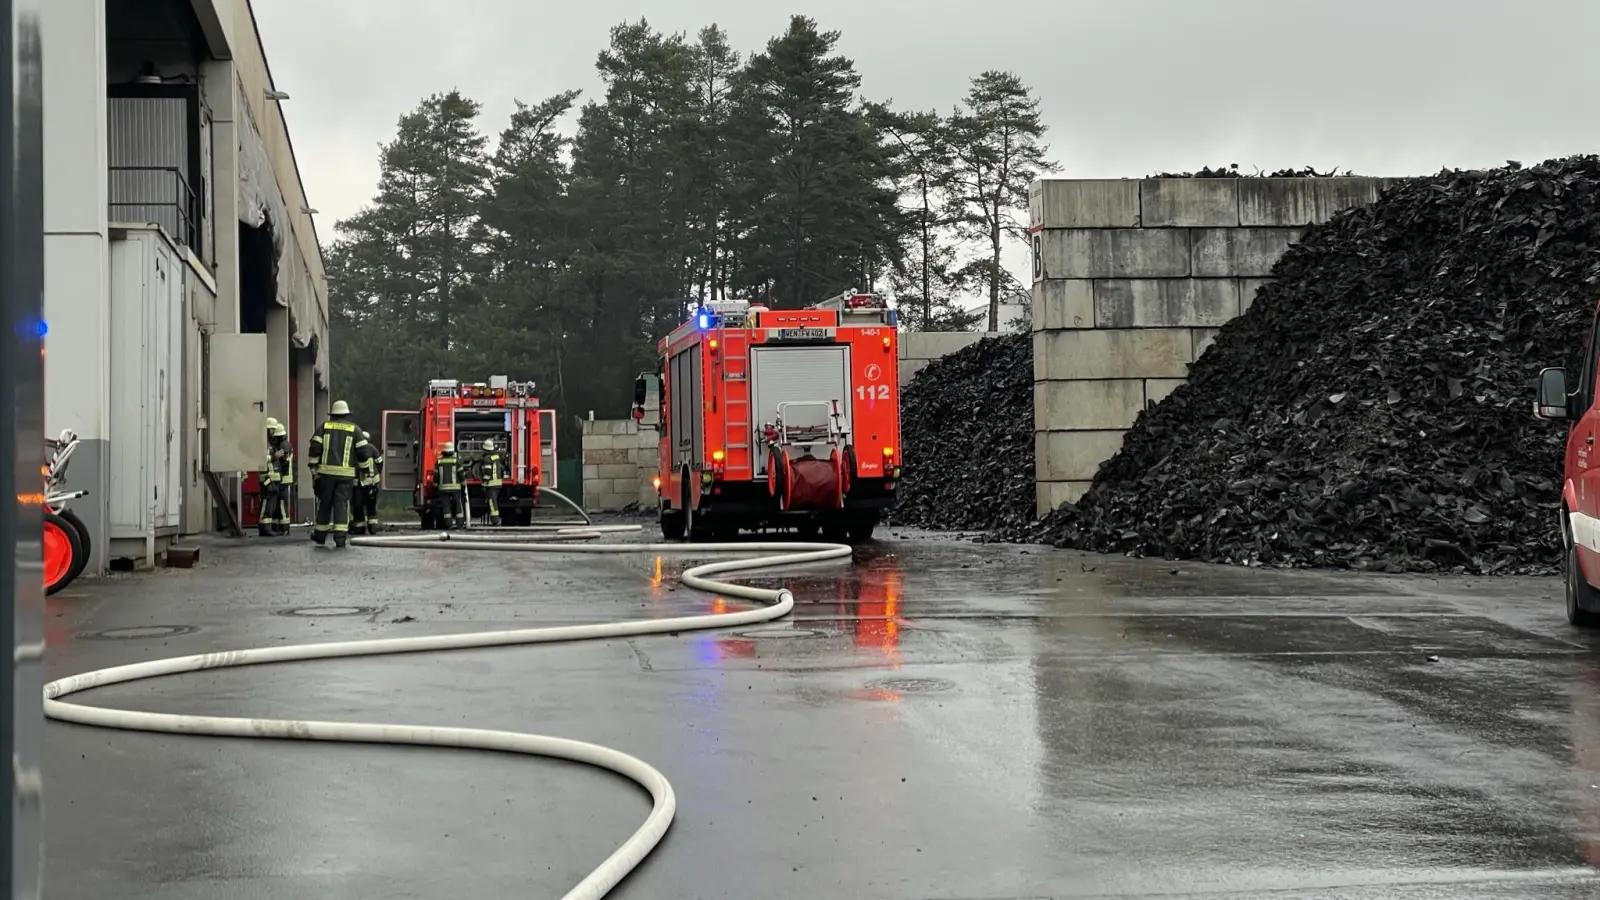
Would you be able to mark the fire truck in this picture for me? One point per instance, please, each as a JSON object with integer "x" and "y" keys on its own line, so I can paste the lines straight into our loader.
{"x": 776, "y": 418}
{"x": 467, "y": 414}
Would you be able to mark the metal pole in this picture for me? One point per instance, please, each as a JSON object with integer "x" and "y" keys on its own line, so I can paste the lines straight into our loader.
{"x": 22, "y": 414}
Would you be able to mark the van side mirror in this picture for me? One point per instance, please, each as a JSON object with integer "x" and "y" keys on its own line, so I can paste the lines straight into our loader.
{"x": 1552, "y": 399}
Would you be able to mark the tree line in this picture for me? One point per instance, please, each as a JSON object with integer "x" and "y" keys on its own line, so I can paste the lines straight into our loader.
{"x": 700, "y": 174}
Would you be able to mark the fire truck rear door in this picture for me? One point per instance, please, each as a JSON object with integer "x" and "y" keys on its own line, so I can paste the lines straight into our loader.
{"x": 401, "y": 434}
{"x": 787, "y": 374}
{"x": 547, "y": 449}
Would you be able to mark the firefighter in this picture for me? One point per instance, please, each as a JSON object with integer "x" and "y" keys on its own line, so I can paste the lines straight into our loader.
{"x": 494, "y": 479}
{"x": 284, "y": 462}
{"x": 337, "y": 448}
{"x": 270, "y": 487}
{"x": 364, "y": 510}
{"x": 447, "y": 478}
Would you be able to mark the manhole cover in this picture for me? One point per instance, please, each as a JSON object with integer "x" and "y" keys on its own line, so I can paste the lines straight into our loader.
{"x": 324, "y": 611}
{"x": 139, "y": 633}
{"x": 912, "y": 685}
{"x": 781, "y": 633}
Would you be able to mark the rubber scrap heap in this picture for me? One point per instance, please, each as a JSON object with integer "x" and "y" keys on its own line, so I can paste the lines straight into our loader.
{"x": 1370, "y": 410}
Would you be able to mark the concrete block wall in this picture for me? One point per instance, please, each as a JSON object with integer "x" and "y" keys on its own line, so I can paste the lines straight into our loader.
{"x": 1131, "y": 280}
{"x": 619, "y": 461}
{"x": 918, "y": 348}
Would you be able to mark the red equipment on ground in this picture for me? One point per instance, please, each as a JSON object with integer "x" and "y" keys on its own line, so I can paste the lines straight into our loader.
{"x": 467, "y": 414}
{"x": 777, "y": 418}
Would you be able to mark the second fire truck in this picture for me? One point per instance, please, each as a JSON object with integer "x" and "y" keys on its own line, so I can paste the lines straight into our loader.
{"x": 777, "y": 418}
{"x": 468, "y": 414}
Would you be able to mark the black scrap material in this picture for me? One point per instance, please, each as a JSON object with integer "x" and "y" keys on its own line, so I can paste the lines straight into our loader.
{"x": 967, "y": 428}
{"x": 1232, "y": 171}
{"x": 1372, "y": 408}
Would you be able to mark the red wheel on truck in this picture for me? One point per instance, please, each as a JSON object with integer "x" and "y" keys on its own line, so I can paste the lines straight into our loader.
{"x": 60, "y": 546}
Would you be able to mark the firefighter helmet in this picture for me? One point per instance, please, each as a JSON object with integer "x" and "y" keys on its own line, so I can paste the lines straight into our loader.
{"x": 271, "y": 423}
{"x": 340, "y": 408}
{"x": 278, "y": 430}
{"x": 448, "y": 447}
{"x": 366, "y": 435}
{"x": 488, "y": 446}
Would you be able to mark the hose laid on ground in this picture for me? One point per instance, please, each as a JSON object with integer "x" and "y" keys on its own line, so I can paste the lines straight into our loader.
{"x": 663, "y": 801}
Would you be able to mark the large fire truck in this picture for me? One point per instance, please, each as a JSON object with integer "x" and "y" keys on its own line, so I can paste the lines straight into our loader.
{"x": 776, "y": 418}
{"x": 467, "y": 414}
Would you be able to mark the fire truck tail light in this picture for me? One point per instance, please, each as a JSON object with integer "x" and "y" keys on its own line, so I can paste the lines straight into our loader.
{"x": 712, "y": 344}
{"x": 888, "y": 452}
{"x": 885, "y": 343}
{"x": 656, "y": 483}
{"x": 718, "y": 456}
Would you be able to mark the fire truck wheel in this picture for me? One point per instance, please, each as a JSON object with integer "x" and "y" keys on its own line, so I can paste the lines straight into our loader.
{"x": 1579, "y": 592}
{"x": 672, "y": 524}
{"x": 861, "y": 529}
{"x": 82, "y": 559}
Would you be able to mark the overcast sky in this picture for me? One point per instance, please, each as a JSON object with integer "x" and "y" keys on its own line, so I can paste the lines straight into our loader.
{"x": 1128, "y": 87}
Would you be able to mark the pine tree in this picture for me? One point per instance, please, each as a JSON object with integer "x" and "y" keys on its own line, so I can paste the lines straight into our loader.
{"x": 821, "y": 208}
{"x": 996, "y": 140}
{"x": 403, "y": 271}
{"x": 926, "y": 286}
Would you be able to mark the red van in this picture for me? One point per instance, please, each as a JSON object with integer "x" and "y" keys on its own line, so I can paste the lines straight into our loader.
{"x": 1580, "y": 491}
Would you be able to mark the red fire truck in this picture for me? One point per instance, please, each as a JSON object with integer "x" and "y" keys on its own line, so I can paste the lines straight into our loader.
{"x": 467, "y": 414}
{"x": 776, "y": 418}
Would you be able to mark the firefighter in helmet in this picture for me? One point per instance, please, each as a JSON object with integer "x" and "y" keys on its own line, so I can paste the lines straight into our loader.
{"x": 447, "y": 478}
{"x": 494, "y": 479}
{"x": 364, "y": 518}
{"x": 271, "y": 487}
{"x": 282, "y": 452}
{"x": 338, "y": 449}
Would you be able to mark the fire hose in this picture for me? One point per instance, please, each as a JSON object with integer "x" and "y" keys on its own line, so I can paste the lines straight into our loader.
{"x": 554, "y": 540}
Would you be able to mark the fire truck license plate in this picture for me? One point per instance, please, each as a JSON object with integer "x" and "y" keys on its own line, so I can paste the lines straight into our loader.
{"x": 485, "y": 401}
{"x": 802, "y": 334}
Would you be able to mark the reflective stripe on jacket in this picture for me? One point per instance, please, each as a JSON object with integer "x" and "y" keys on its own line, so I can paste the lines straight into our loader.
{"x": 335, "y": 449}
{"x": 494, "y": 474}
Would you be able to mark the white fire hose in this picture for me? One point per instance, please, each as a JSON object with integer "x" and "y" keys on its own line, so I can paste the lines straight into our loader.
{"x": 664, "y": 803}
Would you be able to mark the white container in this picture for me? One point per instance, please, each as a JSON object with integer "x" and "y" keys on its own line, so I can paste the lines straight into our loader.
{"x": 148, "y": 296}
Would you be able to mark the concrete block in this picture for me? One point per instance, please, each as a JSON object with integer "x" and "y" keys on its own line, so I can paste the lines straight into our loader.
{"x": 934, "y": 344}
{"x": 1203, "y": 338}
{"x": 1050, "y": 495}
{"x": 590, "y": 472}
{"x": 588, "y": 427}
{"x": 612, "y": 457}
{"x": 909, "y": 369}
{"x": 628, "y": 471}
{"x": 598, "y": 442}
{"x": 1296, "y": 202}
{"x": 1247, "y": 291}
{"x": 1157, "y": 389}
{"x": 616, "y": 426}
{"x": 1079, "y": 203}
{"x": 1165, "y": 302}
{"x": 1189, "y": 202}
{"x": 1240, "y": 252}
{"x": 1113, "y": 253}
{"x": 1063, "y": 303}
{"x": 1087, "y": 405}
{"x": 1073, "y": 455}
{"x": 626, "y": 487}
{"x": 1090, "y": 354}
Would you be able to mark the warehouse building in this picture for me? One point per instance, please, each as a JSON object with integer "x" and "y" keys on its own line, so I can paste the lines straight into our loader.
{"x": 185, "y": 297}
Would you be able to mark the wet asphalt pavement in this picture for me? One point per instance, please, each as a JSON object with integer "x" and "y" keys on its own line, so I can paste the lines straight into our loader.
{"x": 943, "y": 721}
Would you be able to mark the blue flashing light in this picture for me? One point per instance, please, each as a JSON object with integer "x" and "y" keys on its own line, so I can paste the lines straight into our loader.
{"x": 894, "y": 318}
{"x": 704, "y": 321}
{"x": 32, "y": 328}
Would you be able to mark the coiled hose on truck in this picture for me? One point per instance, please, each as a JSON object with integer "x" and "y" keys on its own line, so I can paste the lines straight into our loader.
{"x": 779, "y": 602}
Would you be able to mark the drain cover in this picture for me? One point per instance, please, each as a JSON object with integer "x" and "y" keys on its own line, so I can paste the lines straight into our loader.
{"x": 325, "y": 611}
{"x": 781, "y": 633}
{"x": 139, "y": 633}
{"x": 912, "y": 685}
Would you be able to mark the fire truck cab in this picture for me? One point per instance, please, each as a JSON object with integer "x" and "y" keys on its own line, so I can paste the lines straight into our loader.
{"x": 466, "y": 415}
{"x": 776, "y": 418}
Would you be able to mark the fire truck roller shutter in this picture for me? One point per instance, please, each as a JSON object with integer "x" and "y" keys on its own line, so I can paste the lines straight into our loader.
{"x": 789, "y": 374}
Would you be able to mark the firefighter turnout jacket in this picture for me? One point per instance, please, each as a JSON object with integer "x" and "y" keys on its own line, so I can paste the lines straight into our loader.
{"x": 337, "y": 449}
{"x": 494, "y": 470}
{"x": 447, "y": 472}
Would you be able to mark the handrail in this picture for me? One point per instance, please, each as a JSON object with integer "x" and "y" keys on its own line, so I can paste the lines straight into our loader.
{"x": 179, "y": 197}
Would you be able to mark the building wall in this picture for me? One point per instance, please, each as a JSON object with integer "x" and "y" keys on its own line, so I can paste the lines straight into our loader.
{"x": 619, "y": 461}
{"x": 1131, "y": 280}
{"x": 243, "y": 166}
